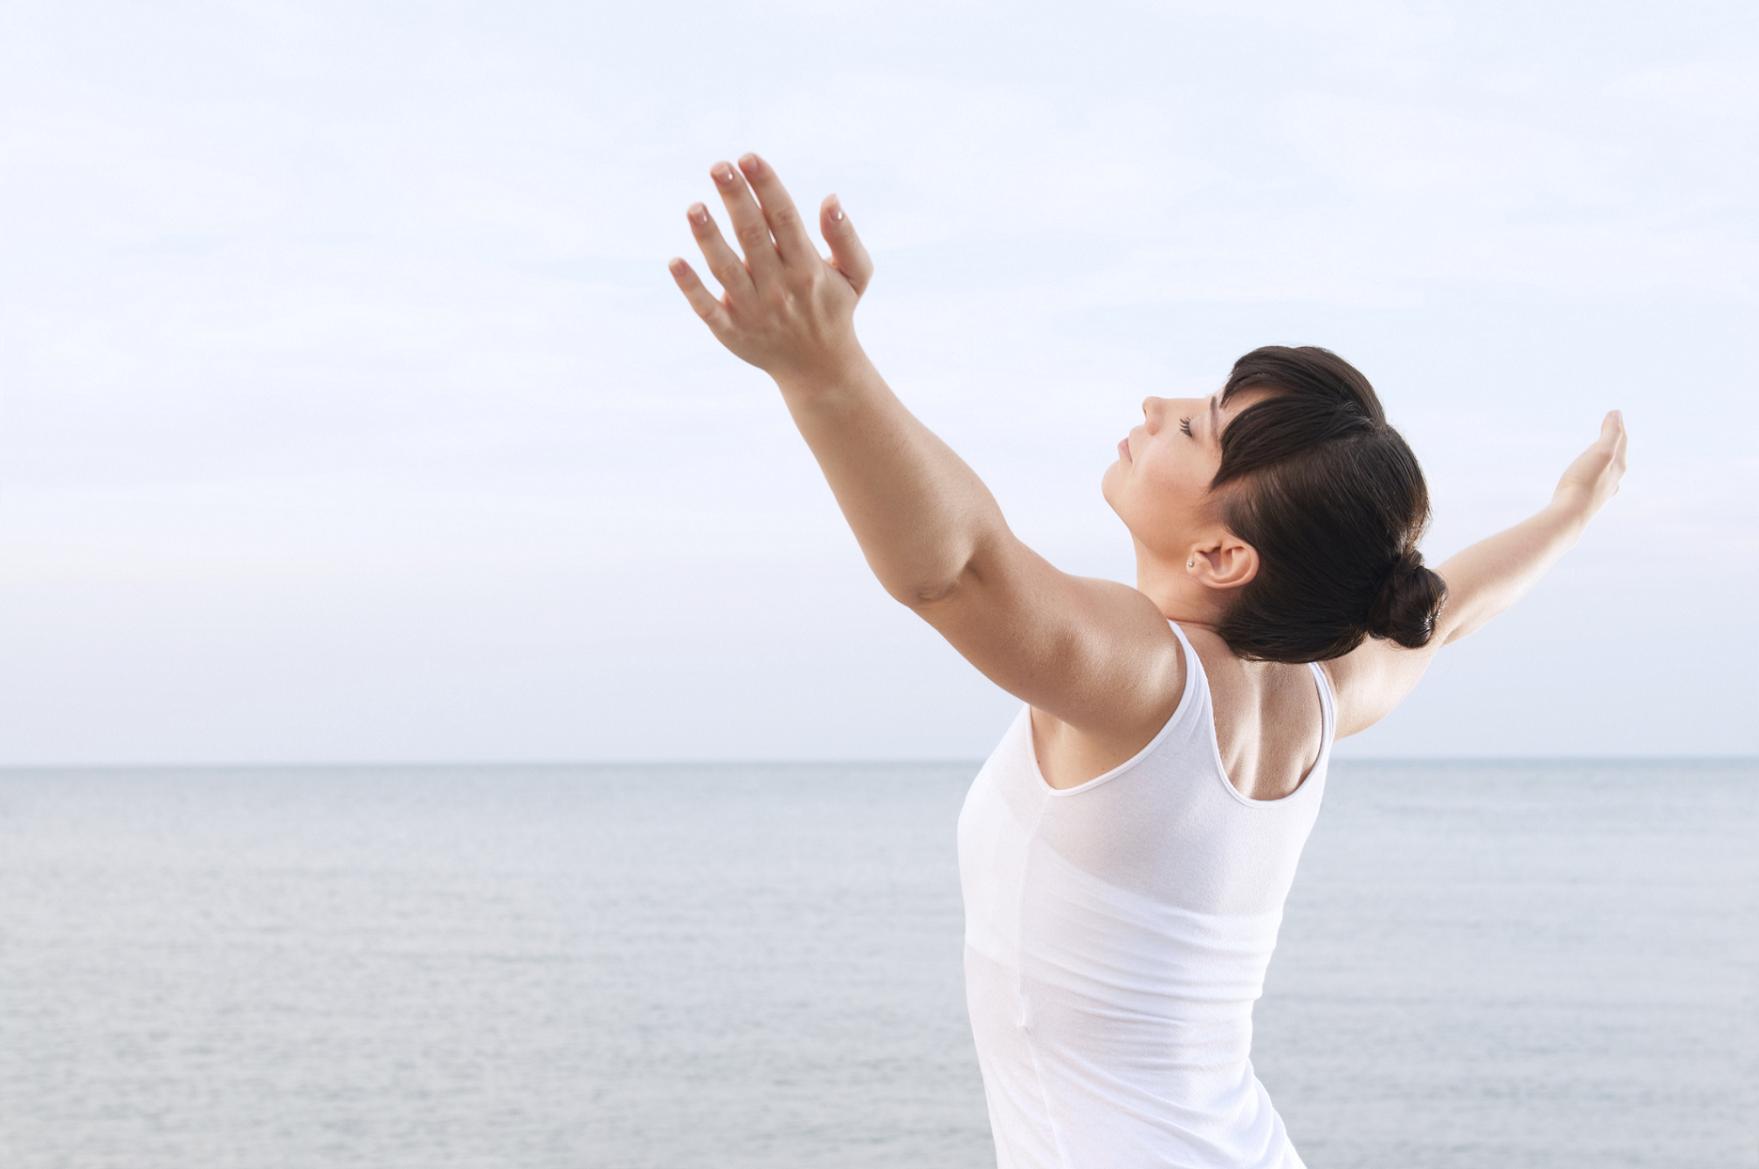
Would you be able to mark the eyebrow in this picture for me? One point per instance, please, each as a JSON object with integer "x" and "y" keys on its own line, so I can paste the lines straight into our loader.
{"x": 1213, "y": 410}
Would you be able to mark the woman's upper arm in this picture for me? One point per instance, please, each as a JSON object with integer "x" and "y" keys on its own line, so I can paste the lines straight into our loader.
{"x": 1094, "y": 653}
{"x": 1371, "y": 680}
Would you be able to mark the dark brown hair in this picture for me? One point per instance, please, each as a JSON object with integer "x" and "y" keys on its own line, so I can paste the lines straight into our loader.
{"x": 1334, "y": 501}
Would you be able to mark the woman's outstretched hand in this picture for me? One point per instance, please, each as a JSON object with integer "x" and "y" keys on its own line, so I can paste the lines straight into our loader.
{"x": 1594, "y": 477}
{"x": 786, "y": 309}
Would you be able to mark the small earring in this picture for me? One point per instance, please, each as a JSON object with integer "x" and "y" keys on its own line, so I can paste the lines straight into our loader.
{"x": 1189, "y": 563}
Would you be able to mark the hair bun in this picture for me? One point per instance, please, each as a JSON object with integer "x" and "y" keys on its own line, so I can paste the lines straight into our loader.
{"x": 1405, "y": 608}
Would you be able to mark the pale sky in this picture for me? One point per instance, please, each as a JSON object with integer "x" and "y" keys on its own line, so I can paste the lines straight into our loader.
{"x": 348, "y": 411}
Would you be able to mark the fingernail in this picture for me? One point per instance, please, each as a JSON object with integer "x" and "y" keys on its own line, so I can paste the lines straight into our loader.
{"x": 723, "y": 173}
{"x": 750, "y": 164}
{"x": 698, "y": 213}
{"x": 836, "y": 209}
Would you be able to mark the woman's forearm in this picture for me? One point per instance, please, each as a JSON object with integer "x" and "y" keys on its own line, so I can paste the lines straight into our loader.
{"x": 917, "y": 510}
{"x": 1494, "y": 573}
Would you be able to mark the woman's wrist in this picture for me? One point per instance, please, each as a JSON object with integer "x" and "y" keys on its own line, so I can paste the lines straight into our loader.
{"x": 1573, "y": 503}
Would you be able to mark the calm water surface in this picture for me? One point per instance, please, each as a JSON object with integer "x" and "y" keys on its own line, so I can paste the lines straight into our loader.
{"x": 1546, "y": 964}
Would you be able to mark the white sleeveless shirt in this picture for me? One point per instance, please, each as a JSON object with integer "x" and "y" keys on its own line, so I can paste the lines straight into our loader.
{"x": 1116, "y": 938}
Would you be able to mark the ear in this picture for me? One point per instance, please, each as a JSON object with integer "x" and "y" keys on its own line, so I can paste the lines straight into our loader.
{"x": 1232, "y": 562}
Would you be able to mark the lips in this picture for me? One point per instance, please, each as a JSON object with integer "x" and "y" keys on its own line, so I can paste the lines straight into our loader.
{"x": 1124, "y": 449}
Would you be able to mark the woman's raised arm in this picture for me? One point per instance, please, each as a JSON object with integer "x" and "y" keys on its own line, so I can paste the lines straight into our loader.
{"x": 1482, "y": 580}
{"x": 917, "y": 509}
{"x": 1493, "y": 574}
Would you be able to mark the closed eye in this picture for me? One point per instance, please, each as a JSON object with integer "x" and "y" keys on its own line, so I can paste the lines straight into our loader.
{"x": 1185, "y": 425}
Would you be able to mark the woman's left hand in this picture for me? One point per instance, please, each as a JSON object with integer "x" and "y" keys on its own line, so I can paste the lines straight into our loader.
{"x": 786, "y": 310}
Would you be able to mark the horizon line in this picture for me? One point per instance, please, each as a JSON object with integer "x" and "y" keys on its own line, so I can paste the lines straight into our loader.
{"x": 944, "y": 760}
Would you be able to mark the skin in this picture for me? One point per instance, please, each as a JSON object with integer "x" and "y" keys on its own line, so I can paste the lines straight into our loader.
{"x": 1187, "y": 561}
{"x": 1189, "y": 564}
{"x": 785, "y": 309}
{"x": 788, "y": 310}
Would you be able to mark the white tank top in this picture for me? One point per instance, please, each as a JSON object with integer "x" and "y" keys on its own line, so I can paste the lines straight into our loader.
{"x": 1116, "y": 937}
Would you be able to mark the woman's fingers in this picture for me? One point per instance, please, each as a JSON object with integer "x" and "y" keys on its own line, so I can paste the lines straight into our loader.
{"x": 847, "y": 252}
{"x": 749, "y": 226}
{"x": 779, "y": 213}
{"x": 1594, "y": 476}
{"x": 707, "y": 305}
{"x": 723, "y": 261}
{"x": 780, "y": 260}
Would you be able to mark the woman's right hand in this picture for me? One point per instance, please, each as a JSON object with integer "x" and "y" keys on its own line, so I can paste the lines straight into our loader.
{"x": 1594, "y": 477}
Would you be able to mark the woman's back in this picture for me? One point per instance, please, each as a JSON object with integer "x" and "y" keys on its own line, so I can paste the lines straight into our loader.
{"x": 1268, "y": 724}
{"x": 1117, "y": 936}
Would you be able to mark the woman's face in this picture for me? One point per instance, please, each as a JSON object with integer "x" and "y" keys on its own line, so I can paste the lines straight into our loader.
{"x": 1159, "y": 485}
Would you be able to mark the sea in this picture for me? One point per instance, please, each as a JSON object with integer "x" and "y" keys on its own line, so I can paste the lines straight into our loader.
{"x": 1486, "y": 964}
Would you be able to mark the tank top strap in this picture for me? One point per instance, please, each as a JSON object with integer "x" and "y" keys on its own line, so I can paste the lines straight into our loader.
{"x": 1327, "y": 702}
{"x": 1197, "y": 684}
{"x": 1190, "y": 654}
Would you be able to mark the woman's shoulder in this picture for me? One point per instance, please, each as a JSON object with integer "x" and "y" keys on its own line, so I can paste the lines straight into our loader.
{"x": 1070, "y": 754}
{"x": 1269, "y": 717}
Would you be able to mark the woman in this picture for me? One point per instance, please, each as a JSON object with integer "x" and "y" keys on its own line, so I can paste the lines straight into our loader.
{"x": 1126, "y": 850}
